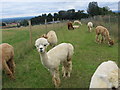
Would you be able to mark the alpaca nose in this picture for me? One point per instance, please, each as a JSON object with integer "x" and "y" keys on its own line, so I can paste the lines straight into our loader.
{"x": 40, "y": 48}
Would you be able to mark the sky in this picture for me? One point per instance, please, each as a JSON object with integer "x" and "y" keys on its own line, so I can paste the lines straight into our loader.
{"x": 21, "y": 8}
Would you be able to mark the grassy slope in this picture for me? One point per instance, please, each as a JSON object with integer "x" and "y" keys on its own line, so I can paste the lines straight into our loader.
{"x": 30, "y": 73}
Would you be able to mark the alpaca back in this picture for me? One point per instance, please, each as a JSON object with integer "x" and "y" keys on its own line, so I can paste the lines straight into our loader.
{"x": 104, "y": 69}
{"x": 7, "y": 51}
{"x": 102, "y": 30}
{"x": 90, "y": 24}
{"x": 61, "y": 51}
{"x": 52, "y": 37}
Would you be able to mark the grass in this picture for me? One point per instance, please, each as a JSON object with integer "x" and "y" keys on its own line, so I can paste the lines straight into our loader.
{"x": 30, "y": 73}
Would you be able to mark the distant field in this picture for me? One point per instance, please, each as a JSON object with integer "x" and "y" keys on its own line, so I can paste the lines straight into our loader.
{"x": 30, "y": 73}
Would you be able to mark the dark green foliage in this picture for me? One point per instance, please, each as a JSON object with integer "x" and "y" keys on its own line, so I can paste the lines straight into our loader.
{"x": 94, "y": 9}
{"x": 66, "y": 15}
{"x": 24, "y": 23}
{"x": 3, "y": 24}
{"x": 71, "y": 14}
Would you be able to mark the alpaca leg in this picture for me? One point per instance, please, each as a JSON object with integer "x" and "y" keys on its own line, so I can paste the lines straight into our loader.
{"x": 7, "y": 70}
{"x": 102, "y": 39}
{"x": 97, "y": 40}
{"x": 11, "y": 65}
{"x": 90, "y": 29}
{"x": 69, "y": 68}
{"x": 64, "y": 71}
{"x": 56, "y": 78}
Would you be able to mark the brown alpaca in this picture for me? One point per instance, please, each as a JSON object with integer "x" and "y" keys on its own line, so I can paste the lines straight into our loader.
{"x": 44, "y": 36}
{"x": 100, "y": 30}
{"x": 6, "y": 58}
{"x": 70, "y": 26}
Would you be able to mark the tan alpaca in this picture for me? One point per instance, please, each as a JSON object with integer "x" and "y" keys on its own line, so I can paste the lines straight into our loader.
{"x": 51, "y": 37}
{"x": 100, "y": 30}
{"x": 6, "y": 58}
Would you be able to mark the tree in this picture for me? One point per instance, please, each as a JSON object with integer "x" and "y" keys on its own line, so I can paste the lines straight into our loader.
{"x": 3, "y": 24}
{"x": 93, "y": 9}
{"x": 24, "y": 23}
{"x": 49, "y": 17}
{"x": 56, "y": 16}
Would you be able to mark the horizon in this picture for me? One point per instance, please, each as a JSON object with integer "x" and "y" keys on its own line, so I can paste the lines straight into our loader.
{"x": 28, "y": 9}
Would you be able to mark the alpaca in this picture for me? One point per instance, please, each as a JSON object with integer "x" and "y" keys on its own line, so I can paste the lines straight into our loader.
{"x": 90, "y": 26}
{"x": 100, "y": 30}
{"x": 105, "y": 76}
{"x": 77, "y": 21}
{"x": 60, "y": 54}
{"x": 76, "y": 26}
{"x": 70, "y": 26}
{"x": 51, "y": 37}
{"x": 6, "y": 59}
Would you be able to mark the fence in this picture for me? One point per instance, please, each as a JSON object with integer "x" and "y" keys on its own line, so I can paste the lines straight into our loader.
{"x": 47, "y": 26}
{"x": 109, "y": 21}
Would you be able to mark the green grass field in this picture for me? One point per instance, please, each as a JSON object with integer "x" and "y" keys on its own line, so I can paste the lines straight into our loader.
{"x": 30, "y": 73}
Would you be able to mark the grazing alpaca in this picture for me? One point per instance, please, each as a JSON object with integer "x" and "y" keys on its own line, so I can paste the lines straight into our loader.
{"x": 70, "y": 26}
{"x": 100, "y": 30}
{"x": 90, "y": 26}
{"x": 76, "y": 26}
{"x": 105, "y": 76}
{"x": 51, "y": 37}
{"x": 77, "y": 21}
{"x": 6, "y": 58}
{"x": 60, "y": 54}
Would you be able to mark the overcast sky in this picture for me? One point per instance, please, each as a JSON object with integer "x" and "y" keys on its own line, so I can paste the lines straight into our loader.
{"x": 21, "y": 8}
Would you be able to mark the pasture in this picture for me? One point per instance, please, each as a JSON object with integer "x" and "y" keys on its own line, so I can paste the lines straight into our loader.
{"x": 30, "y": 73}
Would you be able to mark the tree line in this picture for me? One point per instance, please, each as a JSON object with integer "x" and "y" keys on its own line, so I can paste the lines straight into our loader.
{"x": 92, "y": 10}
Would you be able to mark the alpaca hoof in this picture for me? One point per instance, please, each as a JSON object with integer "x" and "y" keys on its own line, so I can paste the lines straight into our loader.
{"x": 11, "y": 77}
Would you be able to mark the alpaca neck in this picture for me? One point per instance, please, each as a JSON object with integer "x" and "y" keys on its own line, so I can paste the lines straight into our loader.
{"x": 44, "y": 59}
{"x": 108, "y": 37}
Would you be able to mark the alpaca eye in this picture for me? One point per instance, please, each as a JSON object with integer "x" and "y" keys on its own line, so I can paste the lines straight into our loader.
{"x": 45, "y": 45}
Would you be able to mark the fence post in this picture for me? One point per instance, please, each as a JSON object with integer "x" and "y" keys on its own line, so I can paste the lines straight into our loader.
{"x": 58, "y": 22}
{"x": 53, "y": 24}
{"x": 29, "y": 21}
{"x": 46, "y": 24}
{"x": 109, "y": 23}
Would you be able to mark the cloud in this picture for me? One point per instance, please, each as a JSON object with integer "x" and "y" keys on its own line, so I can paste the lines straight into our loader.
{"x": 16, "y": 8}
{"x": 58, "y": 0}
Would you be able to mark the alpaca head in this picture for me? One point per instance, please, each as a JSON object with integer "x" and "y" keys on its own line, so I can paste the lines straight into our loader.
{"x": 44, "y": 36}
{"x": 41, "y": 44}
{"x": 111, "y": 42}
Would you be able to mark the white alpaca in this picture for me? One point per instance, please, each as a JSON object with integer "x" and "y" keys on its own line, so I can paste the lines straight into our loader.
{"x": 106, "y": 76}
{"x": 77, "y": 21}
{"x": 51, "y": 37}
{"x": 90, "y": 26}
{"x": 60, "y": 54}
{"x": 76, "y": 26}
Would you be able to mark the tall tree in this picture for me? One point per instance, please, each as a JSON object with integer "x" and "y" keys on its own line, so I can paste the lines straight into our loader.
{"x": 93, "y": 9}
{"x": 49, "y": 17}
